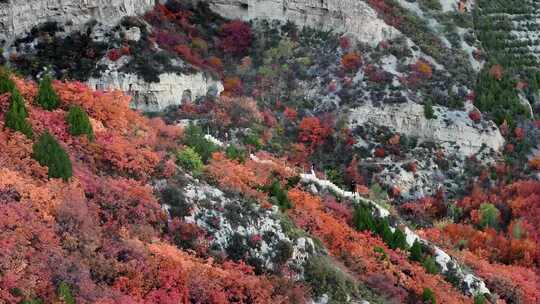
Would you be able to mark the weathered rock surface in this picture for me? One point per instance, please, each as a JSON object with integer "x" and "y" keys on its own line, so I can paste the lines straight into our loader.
{"x": 19, "y": 16}
{"x": 152, "y": 97}
{"x": 350, "y": 16}
{"x": 452, "y": 129}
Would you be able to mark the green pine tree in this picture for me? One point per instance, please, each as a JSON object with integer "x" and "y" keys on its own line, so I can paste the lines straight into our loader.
{"x": 363, "y": 219}
{"x": 48, "y": 152}
{"x": 430, "y": 265}
{"x": 47, "y": 97}
{"x": 387, "y": 235}
{"x": 79, "y": 123}
{"x": 428, "y": 296}
{"x": 64, "y": 293}
{"x": 280, "y": 195}
{"x": 416, "y": 251}
{"x": 399, "y": 240}
{"x": 6, "y": 84}
{"x": 17, "y": 114}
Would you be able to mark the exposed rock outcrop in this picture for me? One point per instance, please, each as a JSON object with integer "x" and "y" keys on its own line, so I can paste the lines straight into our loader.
{"x": 350, "y": 16}
{"x": 452, "y": 129}
{"x": 152, "y": 97}
{"x": 19, "y": 16}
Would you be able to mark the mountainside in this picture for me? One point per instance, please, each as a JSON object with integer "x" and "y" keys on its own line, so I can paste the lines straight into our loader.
{"x": 267, "y": 151}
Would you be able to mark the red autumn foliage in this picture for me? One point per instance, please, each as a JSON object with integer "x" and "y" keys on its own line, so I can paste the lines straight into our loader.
{"x": 232, "y": 86}
{"x": 239, "y": 111}
{"x": 114, "y": 54}
{"x": 379, "y": 152}
{"x": 189, "y": 55}
{"x": 519, "y": 133}
{"x": 313, "y": 131}
{"x": 356, "y": 249}
{"x": 422, "y": 68}
{"x": 290, "y": 114}
{"x": 236, "y": 37}
{"x": 496, "y": 72}
{"x": 344, "y": 43}
{"x": 104, "y": 231}
{"x": 351, "y": 61}
{"x": 475, "y": 115}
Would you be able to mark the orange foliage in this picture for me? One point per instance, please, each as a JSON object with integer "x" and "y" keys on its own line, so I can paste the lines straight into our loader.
{"x": 313, "y": 131}
{"x": 240, "y": 112}
{"x": 357, "y": 250}
{"x": 351, "y": 61}
{"x": 496, "y": 71}
{"x": 232, "y": 86}
{"x": 423, "y": 68}
{"x": 246, "y": 178}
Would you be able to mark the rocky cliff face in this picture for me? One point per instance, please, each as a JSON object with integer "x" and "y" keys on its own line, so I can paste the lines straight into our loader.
{"x": 350, "y": 16}
{"x": 452, "y": 129}
{"x": 19, "y": 16}
{"x": 171, "y": 89}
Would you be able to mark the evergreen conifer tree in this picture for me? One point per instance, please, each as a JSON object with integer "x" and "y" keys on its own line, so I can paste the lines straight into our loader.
{"x": 17, "y": 114}
{"x": 6, "y": 84}
{"x": 47, "y": 97}
{"x": 363, "y": 219}
{"x": 79, "y": 123}
{"x": 428, "y": 296}
{"x": 416, "y": 251}
{"x": 48, "y": 152}
{"x": 399, "y": 240}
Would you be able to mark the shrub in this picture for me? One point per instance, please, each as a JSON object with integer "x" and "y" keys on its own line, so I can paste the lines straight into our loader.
{"x": 480, "y": 299}
{"x": 64, "y": 293}
{"x": 351, "y": 61}
{"x": 48, "y": 152}
{"x": 79, "y": 123}
{"x": 194, "y": 138}
{"x": 47, "y": 97}
{"x": 17, "y": 114}
{"x": 190, "y": 160}
{"x": 177, "y": 204}
{"x": 327, "y": 279}
{"x": 489, "y": 215}
{"x": 429, "y": 113}
{"x": 428, "y": 296}
{"x": 6, "y": 83}
{"x": 235, "y": 153}
{"x": 236, "y": 37}
{"x": 280, "y": 196}
{"x": 430, "y": 265}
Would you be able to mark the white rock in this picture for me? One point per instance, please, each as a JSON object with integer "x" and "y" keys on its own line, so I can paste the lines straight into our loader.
{"x": 19, "y": 16}
{"x": 353, "y": 17}
{"x": 133, "y": 34}
{"x": 409, "y": 119}
{"x": 156, "y": 96}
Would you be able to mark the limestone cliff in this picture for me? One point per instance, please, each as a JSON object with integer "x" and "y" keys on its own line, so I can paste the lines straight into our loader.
{"x": 351, "y": 16}
{"x": 18, "y": 16}
{"x": 151, "y": 97}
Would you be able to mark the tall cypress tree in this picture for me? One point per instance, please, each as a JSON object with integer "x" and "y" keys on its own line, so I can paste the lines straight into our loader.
{"x": 6, "y": 84}
{"x": 399, "y": 240}
{"x": 48, "y": 152}
{"x": 17, "y": 114}
{"x": 363, "y": 219}
{"x": 416, "y": 251}
{"x": 79, "y": 123}
{"x": 47, "y": 97}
